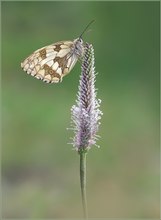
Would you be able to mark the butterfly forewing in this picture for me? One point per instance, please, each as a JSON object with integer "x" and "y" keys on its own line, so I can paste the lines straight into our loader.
{"x": 52, "y": 62}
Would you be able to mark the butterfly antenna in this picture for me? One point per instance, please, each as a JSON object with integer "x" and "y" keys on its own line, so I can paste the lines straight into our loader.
{"x": 86, "y": 29}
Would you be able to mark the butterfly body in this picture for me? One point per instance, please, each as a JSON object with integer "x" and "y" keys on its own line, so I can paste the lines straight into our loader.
{"x": 53, "y": 62}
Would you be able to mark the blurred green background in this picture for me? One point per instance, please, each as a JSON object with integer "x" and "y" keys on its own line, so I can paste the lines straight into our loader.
{"x": 40, "y": 171}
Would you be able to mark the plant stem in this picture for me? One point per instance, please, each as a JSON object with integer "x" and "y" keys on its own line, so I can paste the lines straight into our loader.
{"x": 83, "y": 182}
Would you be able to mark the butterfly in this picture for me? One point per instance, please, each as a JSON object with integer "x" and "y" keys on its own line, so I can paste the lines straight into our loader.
{"x": 53, "y": 62}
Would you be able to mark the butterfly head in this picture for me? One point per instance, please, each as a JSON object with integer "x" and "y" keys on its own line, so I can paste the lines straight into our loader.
{"x": 78, "y": 43}
{"x": 78, "y": 47}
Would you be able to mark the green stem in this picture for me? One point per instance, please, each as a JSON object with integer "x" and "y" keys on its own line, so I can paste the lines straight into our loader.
{"x": 83, "y": 182}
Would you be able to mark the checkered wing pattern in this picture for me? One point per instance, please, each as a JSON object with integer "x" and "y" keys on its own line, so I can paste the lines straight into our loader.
{"x": 53, "y": 62}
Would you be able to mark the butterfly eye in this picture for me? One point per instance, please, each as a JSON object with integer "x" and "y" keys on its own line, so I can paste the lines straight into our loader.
{"x": 80, "y": 40}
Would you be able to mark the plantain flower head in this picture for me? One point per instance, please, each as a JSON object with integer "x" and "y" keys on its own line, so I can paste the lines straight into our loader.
{"x": 86, "y": 113}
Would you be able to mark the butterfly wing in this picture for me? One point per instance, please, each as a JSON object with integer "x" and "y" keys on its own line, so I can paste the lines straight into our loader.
{"x": 52, "y": 62}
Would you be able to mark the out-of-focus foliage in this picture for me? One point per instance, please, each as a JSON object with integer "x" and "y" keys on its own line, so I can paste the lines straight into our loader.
{"x": 39, "y": 169}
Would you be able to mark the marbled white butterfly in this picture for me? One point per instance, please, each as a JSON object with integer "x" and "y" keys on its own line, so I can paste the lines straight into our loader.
{"x": 53, "y": 62}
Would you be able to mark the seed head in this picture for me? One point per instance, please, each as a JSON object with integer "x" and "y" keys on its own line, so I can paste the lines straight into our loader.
{"x": 86, "y": 113}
